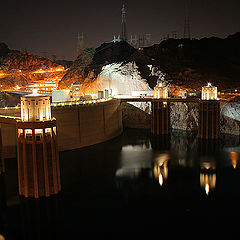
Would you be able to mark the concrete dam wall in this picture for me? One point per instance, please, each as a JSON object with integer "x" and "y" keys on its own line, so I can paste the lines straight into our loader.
{"x": 77, "y": 125}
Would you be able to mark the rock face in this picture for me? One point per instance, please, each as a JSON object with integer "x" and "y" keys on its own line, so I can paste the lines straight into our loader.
{"x": 136, "y": 115}
{"x": 229, "y": 125}
{"x": 110, "y": 64}
{"x": 79, "y": 70}
{"x": 192, "y": 63}
{"x": 109, "y": 53}
{"x": 122, "y": 78}
{"x": 24, "y": 61}
{"x": 184, "y": 116}
{"x": 4, "y": 50}
{"x": 230, "y": 118}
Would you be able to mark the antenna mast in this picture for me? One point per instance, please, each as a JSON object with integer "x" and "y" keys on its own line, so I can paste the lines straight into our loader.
{"x": 80, "y": 42}
{"x": 124, "y": 28}
{"x": 186, "y": 33}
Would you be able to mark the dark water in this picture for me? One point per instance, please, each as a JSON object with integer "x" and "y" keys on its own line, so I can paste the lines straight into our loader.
{"x": 133, "y": 186}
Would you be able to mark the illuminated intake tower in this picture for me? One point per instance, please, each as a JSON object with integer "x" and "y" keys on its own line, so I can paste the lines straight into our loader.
{"x": 209, "y": 114}
{"x": 37, "y": 152}
{"x": 160, "y": 124}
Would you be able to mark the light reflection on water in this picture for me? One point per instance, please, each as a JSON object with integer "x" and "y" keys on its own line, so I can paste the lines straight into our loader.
{"x": 136, "y": 183}
{"x": 182, "y": 151}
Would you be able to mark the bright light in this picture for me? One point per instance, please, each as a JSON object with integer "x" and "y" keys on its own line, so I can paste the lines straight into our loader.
{"x": 35, "y": 91}
{"x": 207, "y": 188}
{"x": 234, "y": 158}
{"x": 209, "y": 92}
{"x": 38, "y": 131}
{"x": 2, "y": 237}
{"x": 160, "y": 179}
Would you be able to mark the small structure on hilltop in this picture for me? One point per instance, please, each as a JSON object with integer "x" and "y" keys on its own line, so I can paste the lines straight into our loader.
{"x": 37, "y": 151}
{"x": 76, "y": 91}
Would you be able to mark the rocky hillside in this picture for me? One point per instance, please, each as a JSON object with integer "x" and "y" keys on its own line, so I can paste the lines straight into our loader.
{"x": 19, "y": 68}
{"x": 24, "y": 61}
{"x": 90, "y": 62}
{"x": 79, "y": 70}
{"x": 192, "y": 63}
{"x": 187, "y": 63}
{"x": 4, "y": 50}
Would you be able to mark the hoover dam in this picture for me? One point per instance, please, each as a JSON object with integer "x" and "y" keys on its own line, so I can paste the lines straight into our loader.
{"x": 77, "y": 125}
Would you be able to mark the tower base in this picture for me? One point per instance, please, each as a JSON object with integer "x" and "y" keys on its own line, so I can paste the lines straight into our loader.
{"x": 38, "y": 160}
{"x": 160, "y": 122}
{"x": 209, "y": 116}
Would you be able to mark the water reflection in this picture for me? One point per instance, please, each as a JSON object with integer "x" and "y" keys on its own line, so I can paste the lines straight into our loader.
{"x": 192, "y": 163}
{"x": 40, "y": 218}
{"x": 124, "y": 185}
{"x": 161, "y": 142}
{"x": 160, "y": 168}
{"x": 234, "y": 158}
{"x": 3, "y": 207}
{"x": 134, "y": 158}
{"x": 208, "y": 181}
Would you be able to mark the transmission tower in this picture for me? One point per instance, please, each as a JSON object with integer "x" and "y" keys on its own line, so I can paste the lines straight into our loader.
{"x": 80, "y": 42}
{"x": 134, "y": 40}
{"x": 124, "y": 28}
{"x": 186, "y": 33}
{"x": 147, "y": 40}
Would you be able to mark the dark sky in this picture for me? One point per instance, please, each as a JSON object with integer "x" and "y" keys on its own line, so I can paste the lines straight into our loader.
{"x": 52, "y": 26}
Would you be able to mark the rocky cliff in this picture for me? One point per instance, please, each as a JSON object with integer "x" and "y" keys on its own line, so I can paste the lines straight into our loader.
{"x": 188, "y": 64}
{"x": 192, "y": 63}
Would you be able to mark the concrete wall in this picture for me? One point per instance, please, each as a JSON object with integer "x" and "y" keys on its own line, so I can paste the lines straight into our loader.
{"x": 77, "y": 125}
{"x": 84, "y": 125}
{"x": 9, "y": 140}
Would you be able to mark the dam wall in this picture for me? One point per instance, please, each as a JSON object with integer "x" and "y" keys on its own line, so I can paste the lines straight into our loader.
{"x": 77, "y": 125}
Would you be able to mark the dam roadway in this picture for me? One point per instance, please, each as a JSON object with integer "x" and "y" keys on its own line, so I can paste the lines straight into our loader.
{"x": 150, "y": 99}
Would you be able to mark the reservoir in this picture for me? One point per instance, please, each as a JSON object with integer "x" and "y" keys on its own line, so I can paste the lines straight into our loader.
{"x": 134, "y": 185}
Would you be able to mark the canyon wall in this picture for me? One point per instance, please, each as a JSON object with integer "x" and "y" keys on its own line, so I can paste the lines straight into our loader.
{"x": 183, "y": 116}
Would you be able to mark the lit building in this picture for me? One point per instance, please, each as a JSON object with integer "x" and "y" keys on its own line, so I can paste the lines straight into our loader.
{"x": 43, "y": 86}
{"x": 76, "y": 91}
{"x": 59, "y": 96}
{"x": 37, "y": 152}
{"x": 35, "y": 107}
{"x": 160, "y": 120}
{"x": 209, "y": 114}
{"x": 209, "y": 92}
{"x": 160, "y": 91}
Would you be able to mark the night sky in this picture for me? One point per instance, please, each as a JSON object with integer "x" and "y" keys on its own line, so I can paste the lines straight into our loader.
{"x": 52, "y": 26}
